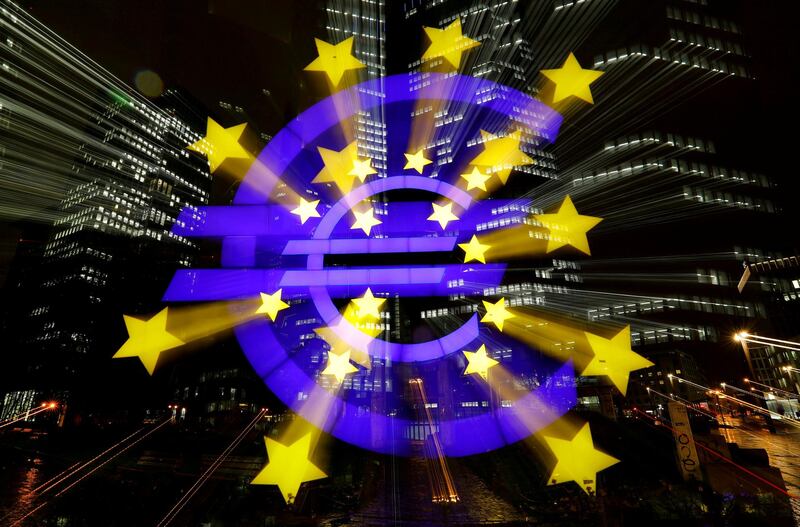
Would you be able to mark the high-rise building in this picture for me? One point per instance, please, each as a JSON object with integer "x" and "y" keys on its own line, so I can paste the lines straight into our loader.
{"x": 665, "y": 157}
{"x": 365, "y": 21}
{"x": 662, "y": 153}
{"x": 115, "y": 166}
{"x": 505, "y": 56}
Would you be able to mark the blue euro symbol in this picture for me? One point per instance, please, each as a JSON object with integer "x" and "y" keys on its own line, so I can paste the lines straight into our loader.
{"x": 253, "y": 227}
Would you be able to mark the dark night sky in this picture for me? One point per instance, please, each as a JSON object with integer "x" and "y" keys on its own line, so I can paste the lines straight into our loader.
{"x": 216, "y": 50}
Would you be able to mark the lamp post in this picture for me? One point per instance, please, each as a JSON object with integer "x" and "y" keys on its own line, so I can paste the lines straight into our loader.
{"x": 739, "y": 337}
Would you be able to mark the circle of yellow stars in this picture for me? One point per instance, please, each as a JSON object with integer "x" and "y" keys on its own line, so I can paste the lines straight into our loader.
{"x": 289, "y": 466}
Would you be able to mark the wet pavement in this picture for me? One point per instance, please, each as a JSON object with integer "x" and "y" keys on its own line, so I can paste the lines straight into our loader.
{"x": 782, "y": 447}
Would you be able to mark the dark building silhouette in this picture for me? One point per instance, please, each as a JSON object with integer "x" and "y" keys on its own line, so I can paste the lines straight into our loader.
{"x": 116, "y": 165}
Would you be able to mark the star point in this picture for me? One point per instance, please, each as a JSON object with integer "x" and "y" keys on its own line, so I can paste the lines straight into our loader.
{"x": 614, "y": 358}
{"x": 339, "y": 366}
{"x": 288, "y": 467}
{"x": 572, "y": 81}
{"x": 365, "y": 221}
{"x": 479, "y": 362}
{"x": 578, "y": 460}
{"x": 474, "y": 250}
{"x": 220, "y": 144}
{"x": 496, "y": 313}
{"x": 417, "y": 161}
{"x": 272, "y": 304}
{"x": 476, "y": 179}
{"x": 501, "y": 154}
{"x": 147, "y": 339}
{"x": 448, "y": 43}
{"x": 335, "y": 59}
{"x": 368, "y": 305}
{"x": 306, "y": 210}
{"x": 567, "y": 227}
{"x": 442, "y": 214}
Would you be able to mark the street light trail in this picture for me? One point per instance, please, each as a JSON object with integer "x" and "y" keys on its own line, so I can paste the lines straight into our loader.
{"x": 126, "y": 448}
{"x": 732, "y": 387}
{"x": 95, "y": 469}
{"x": 178, "y": 507}
{"x": 49, "y": 484}
{"x": 750, "y": 381}
{"x": 680, "y": 401}
{"x": 752, "y": 339}
{"x": 746, "y": 335}
{"x": 25, "y": 416}
{"x": 758, "y": 409}
{"x": 443, "y": 488}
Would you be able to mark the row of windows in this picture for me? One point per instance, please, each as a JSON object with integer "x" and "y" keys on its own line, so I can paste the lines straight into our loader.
{"x": 674, "y": 56}
{"x": 687, "y": 303}
{"x": 693, "y": 17}
{"x": 791, "y": 296}
{"x": 700, "y": 61}
{"x": 698, "y": 39}
{"x": 713, "y": 277}
{"x": 683, "y": 166}
{"x": 513, "y": 301}
{"x": 664, "y": 335}
{"x": 654, "y": 137}
{"x": 754, "y": 254}
{"x": 562, "y": 4}
{"x": 728, "y": 199}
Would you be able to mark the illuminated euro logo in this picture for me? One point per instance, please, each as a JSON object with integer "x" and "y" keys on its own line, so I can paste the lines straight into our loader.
{"x": 364, "y": 216}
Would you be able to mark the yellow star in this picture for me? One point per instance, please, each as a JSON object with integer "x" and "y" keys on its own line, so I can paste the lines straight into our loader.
{"x": 572, "y": 80}
{"x": 338, "y": 346}
{"x": 476, "y": 179}
{"x": 368, "y": 305}
{"x": 496, "y": 313}
{"x": 339, "y": 366}
{"x": 613, "y": 357}
{"x": 448, "y": 43}
{"x": 335, "y": 60}
{"x": 443, "y": 214}
{"x": 501, "y": 154}
{"x": 147, "y": 339}
{"x": 306, "y": 209}
{"x": 288, "y": 467}
{"x": 578, "y": 460}
{"x": 271, "y": 304}
{"x": 220, "y": 144}
{"x": 417, "y": 161}
{"x": 567, "y": 227}
{"x": 474, "y": 250}
{"x": 365, "y": 221}
{"x": 478, "y": 362}
{"x": 339, "y": 167}
{"x": 362, "y": 168}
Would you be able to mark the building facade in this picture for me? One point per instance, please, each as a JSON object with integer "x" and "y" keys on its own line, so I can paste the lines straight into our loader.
{"x": 116, "y": 165}
{"x": 664, "y": 157}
